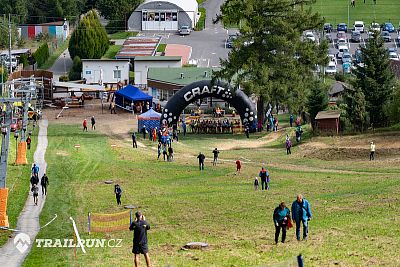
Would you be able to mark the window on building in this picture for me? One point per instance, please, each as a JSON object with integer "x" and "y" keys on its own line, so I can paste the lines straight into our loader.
{"x": 144, "y": 16}
{"x": 162, "y": 16}
{"x": 168, "y": 16}
{"x": 151, "y": 16}
{"x": 117, "y": 74}
{"x": 157, "y": 16}
{"x": 88, "y": 72}
{"x": 174, "y": 16}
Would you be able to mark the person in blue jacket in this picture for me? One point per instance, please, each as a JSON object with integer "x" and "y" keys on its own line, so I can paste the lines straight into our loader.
{"x": 281, "y": 217}
{"x": 301, "y": 212}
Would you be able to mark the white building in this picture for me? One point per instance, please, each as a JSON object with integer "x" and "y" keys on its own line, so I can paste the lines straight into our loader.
{"x": 105, "y": 71}
{"x": 164, "y": 15}
{"x": 142, "y": 65}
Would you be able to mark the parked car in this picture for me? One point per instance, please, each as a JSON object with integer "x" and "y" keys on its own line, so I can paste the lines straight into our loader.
{"x": 359, "y": 26}
{"x": 15, "y": 124}
{"x": 331, "y": 68}
{"x": 341, "y": 41}
{"x": 358, "y": 56}
{"x": 346, "y": 57}
{"x": 328, "y": 27}
{"x": 310, "y": 36}
{"x": 394, "y": 56}
{"x": 332, "y": 58}
{"x": 342, "y": 27}
{"x": 328, "y": 37}
{"x": 346, "y": 67}
{"x": 342, "y": 49}
{"x": 341, "y": 35}
{"x": 388, "y": 26}
{"x": 230, "y": 41}
{"x": 386, "y": 36}
{"x": 356, "y": 37}
{"x": 185, "y": 30}
{"x": 375, "y": 27}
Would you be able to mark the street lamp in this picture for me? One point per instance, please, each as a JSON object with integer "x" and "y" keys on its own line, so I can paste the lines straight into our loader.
{"x": 65, "y": 68}
{"x": 16, "y": 143}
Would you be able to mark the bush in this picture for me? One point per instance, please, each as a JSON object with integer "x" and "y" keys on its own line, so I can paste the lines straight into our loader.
{"x": 202, "y": 20}
{"x": 63, "y": 78}
{"x": 23, "y": 59}
{"x": 76, "y": 70}
{"x": 41, "y": 54}
{"x": 339, "y": 77}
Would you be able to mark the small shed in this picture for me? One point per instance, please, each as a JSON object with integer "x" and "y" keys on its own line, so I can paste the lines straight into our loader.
{"x": 328, "y": 121}
{"x": 130, "y": 96}
{"x": 150, "y": 119}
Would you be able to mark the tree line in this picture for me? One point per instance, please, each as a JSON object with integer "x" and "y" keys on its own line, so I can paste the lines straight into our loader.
{"x": 271, "y": 60}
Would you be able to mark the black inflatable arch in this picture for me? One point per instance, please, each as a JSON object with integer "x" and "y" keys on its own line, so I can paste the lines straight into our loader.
{"x": 198, "y": 90}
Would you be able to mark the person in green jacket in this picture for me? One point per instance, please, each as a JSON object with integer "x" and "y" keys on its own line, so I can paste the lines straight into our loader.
{"x": 281, "y": 217}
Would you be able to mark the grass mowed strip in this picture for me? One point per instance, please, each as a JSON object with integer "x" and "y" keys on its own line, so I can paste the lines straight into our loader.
{"x": 340, "y": 11}
{"x": 354, "y": 214}
{"x": 112, "y": 51}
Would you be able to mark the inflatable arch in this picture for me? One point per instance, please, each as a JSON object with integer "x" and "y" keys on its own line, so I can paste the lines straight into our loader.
{"x": 198, "y": 90}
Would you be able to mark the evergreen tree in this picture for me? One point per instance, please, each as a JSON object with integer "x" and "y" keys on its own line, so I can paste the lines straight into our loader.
{"x": 89, "y": 40}
{"x": 355, "y": 107}
{"x": 317, "y": 99}
{"x": 76, "y": 70}
{"x": 269, "y": 57}
{"x": 375, "y": 79}
{"x": 393, "y": 107}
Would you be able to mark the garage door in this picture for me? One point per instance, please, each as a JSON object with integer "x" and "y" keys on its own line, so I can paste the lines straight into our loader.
{"x": 159, "y": 20}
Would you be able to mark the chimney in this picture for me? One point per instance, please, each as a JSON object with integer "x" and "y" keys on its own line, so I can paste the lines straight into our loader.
{"x": 182, "y": 75}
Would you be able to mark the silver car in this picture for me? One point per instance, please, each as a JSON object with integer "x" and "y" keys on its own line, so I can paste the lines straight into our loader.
{"x": 184, "y": 30}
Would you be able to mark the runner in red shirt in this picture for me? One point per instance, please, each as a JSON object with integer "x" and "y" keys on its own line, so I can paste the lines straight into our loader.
{"x": 84, "y": 125}
{"x": 238, "y": 165}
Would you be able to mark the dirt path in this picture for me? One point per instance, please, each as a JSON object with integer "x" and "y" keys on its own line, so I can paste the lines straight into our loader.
{"x": 28, "y": 221}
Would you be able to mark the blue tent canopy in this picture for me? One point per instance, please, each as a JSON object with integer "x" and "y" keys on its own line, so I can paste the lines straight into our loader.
{"x": 150, "y": 119}
{"x": 129, "y": 94}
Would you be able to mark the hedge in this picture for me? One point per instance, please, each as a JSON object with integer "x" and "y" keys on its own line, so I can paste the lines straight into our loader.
{"x": 41, "y": 54}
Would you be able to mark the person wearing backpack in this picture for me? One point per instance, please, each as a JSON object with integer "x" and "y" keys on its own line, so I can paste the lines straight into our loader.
{"x": 34, "y": 180}
{"x": 288, "y": 146}
{"x": 44, "y": 182}
{"x": 301, "y": 213}
{"x": 118, "y": 193}
{"x": 281, "y": 219}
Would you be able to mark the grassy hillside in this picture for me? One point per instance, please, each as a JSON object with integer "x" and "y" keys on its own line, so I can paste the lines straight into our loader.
{"x": 355, "y": 203}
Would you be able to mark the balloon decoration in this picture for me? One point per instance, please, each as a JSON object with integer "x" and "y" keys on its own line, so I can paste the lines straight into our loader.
{"x": 202, "y": 89}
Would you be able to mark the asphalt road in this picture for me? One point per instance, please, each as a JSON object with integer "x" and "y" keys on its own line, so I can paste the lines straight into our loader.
{"x": 208, "y": 45}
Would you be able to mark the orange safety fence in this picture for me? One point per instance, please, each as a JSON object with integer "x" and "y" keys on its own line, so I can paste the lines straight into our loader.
{"x": 98, "y": 222}
{"x": 3, "y": 207}
{"x": 21, "y": 154}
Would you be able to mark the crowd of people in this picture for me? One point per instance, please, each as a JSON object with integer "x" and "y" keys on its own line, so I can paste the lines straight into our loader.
{"x": 213, "y": 126}
{"x": 34, "y": 180}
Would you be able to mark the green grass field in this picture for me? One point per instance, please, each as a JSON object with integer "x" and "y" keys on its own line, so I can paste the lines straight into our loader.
{"x": 337, "y": 11}
{"x": 355, "y": 203}
{"x": 112, "y": 51}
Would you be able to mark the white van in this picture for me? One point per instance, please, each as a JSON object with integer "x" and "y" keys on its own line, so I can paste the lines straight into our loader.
{"x": 342, "y": 49}
{"x": 359, "y": 26}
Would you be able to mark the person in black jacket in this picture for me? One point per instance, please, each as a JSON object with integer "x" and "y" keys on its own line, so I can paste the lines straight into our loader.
{"x": 139, "y": 227}
{"x": 44, "y": 182}
{"x": 201, "y": 158}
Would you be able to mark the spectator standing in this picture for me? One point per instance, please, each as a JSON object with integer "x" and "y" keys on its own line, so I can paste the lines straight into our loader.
{"x": 372, "y": 153}
{"x": 301, "y": 213}
{"x": 184, "y": 127}
{"x": 291, "y": 120}
{"x": 288, "y": 146}
{"x": 113, "y": 108}
{"x": 134, "y": 144}
{"x": 118, "y": 193}
{"x": 84, "y": 125}
{"x": 281, "y": 218}
{"x": 165, "y": 152}
{"x": 140, "y": 227}
{"x": 201, "y": 158}
{"x": 28, "y": 142}
{"x": 93, "y": 122}
{"x": 215, "y": 152}
{"x": 263, "y": 176}
{"x": 144, "y": 131}
{"x": 44, "y": 182}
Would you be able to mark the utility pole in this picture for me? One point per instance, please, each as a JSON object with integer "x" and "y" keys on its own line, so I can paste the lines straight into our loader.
{"x": 9, "y": 44}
